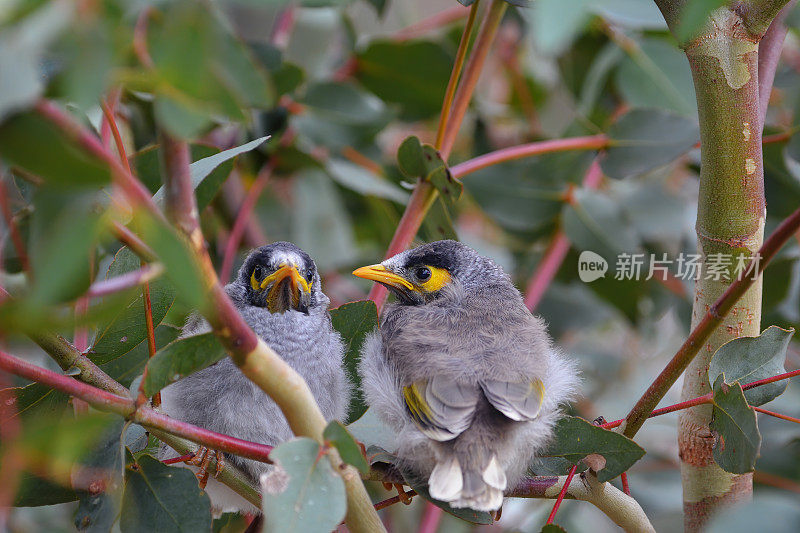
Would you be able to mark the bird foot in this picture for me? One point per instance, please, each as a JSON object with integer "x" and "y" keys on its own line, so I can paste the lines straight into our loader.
{"x": 202, "y": 459}
{"x": 401, "y": 493}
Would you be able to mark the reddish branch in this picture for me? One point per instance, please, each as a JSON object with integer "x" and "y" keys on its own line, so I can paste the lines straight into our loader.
{"x": 590, "y": 142}
{"x": 707, "y": 325}
{"x": 777, "y": 415}
{"x": 443, "y": 18}
{"x": 557, "y": 250}
{"x": 125, "y": 281}
{"x": 242, "y": 219}
{"x": 106, "y": 401}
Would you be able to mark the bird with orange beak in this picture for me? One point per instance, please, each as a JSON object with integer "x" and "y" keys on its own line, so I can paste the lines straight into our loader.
{"x": 463, "y": 372}
{"x": 278, "y": 293}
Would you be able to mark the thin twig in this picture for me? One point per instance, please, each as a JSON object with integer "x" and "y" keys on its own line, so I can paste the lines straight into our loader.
{"x": 432, "y": 516}
{"x": 472, "y": 72}
{"x": 590, "y": 142}
{"x": 125, "y": 281}
{"x": 626, "y": 488}
{"x": 452, "y": 83}
{"x": 776, "y": 415}
{"x": 561, "y": 494}
{"x": 243, "y": 218}
{"x": 109, "y": 402}
{"x": 393, "y": 500}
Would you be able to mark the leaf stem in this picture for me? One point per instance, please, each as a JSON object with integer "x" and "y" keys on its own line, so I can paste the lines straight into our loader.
{"x": 16, "y": 237}
{"x": 452, "y": 83}
{"x": 561, "y": 494}
{"x": 776, "y": 415}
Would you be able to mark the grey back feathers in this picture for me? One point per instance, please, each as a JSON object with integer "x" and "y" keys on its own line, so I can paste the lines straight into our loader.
{"x": 222, "y": 399}
{"x": 470, "y": 380}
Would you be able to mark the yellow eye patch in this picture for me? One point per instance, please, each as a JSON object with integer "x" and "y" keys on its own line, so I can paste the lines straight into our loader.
{"x": 439, "y": 278}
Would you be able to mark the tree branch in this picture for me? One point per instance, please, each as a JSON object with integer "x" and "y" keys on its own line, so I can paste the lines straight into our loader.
{"x": 618, "y": 506}
{"x": 759, "y": 14}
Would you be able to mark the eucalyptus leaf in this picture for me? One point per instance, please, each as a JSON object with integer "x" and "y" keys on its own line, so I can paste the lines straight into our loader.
{"x": 363, "y": 181}
{"x": 354, "y": 321}
{"x": 644, "y": 139}
{"x": 163, "y": 498}
{"x": 203, "y": 168}
{"x": 575, "y": 438}
{"x": 748, "y": 359}
{"x": 120, "y": 333}
{"x": 303, "y": 493}
{"x": 337, "y": 434}
{"x": 735, "y": 427}
{"x": 180, "y": 359}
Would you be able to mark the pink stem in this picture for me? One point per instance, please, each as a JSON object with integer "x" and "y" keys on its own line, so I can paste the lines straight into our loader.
{"x": 561, "y": 494}
{"x": 242, "y": 219}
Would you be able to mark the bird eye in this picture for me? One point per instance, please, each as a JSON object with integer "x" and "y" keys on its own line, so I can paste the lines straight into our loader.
{"x": 258, "y": 272}
{"x": 423, "y": 273}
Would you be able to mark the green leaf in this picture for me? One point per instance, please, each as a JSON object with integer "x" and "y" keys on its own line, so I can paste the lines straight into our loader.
{"x": 175, "y": 254}
{"x": 748, "y": 359}
{"x": 556, "y": 23}
{"x": 656, "y": 74}
{"x": 34, "y": 491}
{"x": 21, "y": 48}
{"x": 335, "y": 246}
{"x": 594, "y": 221}
{"x": 344, "y": 103}
{"x": 553, "y": 528}
{"x": 348, "y": 448}
{"x": 33, "y": 401}
{"x": 363, "y": 181}
{"x": 26, "y": 136}
{"x": 372, "y": 431}
{"x": 354, "y": 321}
{"x": 438, "y": 224}
{"x": 162, "y": 498}
{"x": 735, "y": 427}
{"x": 575, "y": 438}
{"x": 412, "y": 74}
{"x": 120, "y": 333}
{"x": 410, "y": 158}
{"x": 130, "y": 365}
{"x": 645, "y": 139}
{"x": 303, "y": 493}
{"x": 379, "y": 455}
{"x": 180, "y": 359}
{"x": 449, "y": 188}
{"x": 203, "y": 169}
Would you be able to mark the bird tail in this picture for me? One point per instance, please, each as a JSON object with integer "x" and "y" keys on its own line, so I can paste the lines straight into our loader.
{"x": 468, "y": 480}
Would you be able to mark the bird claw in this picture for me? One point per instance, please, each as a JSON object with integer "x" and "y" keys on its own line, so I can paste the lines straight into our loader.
{"x": 201, "y": 460}
{"x": 404, "y": 497}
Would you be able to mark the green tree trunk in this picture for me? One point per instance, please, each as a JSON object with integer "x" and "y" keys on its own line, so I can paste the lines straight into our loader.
{"x": 730, "y": 221}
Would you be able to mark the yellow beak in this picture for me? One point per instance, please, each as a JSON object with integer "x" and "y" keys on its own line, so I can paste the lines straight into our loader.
{"x": 278, "y": 298}
{"x": 381, "y": 275}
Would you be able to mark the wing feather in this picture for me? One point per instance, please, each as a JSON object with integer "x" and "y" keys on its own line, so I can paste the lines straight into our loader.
{"x": 518, "y": 401}
{"x": 440, "y": 407}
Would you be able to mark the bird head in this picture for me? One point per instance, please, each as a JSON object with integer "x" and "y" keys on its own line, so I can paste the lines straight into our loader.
{"x": 425, "y": 273}
{"x": 280, "y": 277}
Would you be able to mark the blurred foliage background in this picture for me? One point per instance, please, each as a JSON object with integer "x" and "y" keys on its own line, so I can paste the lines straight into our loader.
{"x": 337, "y": 85}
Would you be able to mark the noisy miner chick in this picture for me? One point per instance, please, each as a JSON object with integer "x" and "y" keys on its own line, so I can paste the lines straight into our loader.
{"x": 277, "y": 291}
{"x": 463, "y": 372}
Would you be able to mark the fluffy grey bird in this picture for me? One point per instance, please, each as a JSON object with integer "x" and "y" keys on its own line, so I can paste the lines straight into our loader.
{"x": 463, "y": 372}
{"x": 277, "y": 291}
